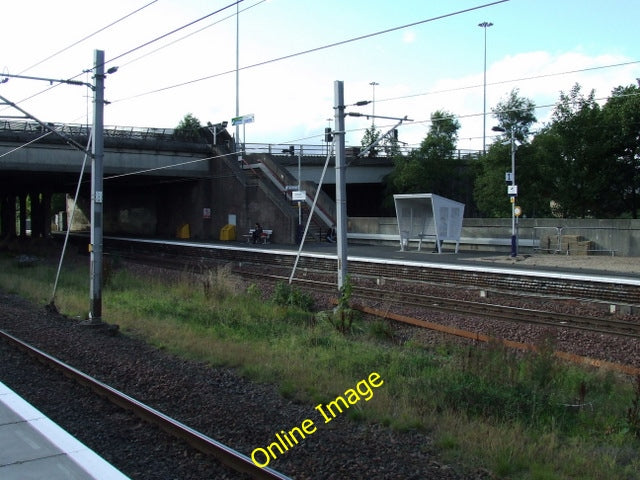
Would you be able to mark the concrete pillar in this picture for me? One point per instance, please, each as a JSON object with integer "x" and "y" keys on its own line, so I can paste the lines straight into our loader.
{"x": 23, "y": 215}
{"x": 36, "y": 215}
{"x": 5, "y": 218}
{"x": 46, "y": 214}
{"x": 10, "y": 227}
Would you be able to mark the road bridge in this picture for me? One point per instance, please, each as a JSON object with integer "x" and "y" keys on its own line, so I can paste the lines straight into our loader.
{"x": 157, "y": 180}
{"x": 36, "y": 163}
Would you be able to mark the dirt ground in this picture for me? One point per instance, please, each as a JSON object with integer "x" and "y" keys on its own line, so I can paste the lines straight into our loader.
{"x": 587, "y": 262}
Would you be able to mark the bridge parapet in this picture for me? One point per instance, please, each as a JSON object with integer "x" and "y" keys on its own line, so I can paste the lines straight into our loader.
{"x": 282, "y": 151}
{"x": 8, "y": 127}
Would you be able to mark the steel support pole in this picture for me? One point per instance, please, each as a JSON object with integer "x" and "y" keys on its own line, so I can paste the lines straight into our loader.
{"x": 237, "y": 71}
{"x": 97, "y": 145}
{"x": 514, "y": 236}
{"x": 299, "y": 185}
{"x": 341, "y": 189}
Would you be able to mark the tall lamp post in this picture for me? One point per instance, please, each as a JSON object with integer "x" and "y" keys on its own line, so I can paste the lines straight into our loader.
{"x": 373, "y": 113}
{"x": 485, "y": 25}
{"x": 512, "y": 190}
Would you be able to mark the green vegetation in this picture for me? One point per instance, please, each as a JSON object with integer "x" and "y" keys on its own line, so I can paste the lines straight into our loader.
{"x": 519, "y": 415}
{"x": 555, "y": 164}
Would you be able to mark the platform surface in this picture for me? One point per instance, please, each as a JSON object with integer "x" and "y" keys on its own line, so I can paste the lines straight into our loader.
{"x": 34, "y": 447}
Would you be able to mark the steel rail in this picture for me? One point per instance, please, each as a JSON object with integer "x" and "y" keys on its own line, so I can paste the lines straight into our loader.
{"x": 462, "y": 307}
{"x": 207, "y": 445}
{"x": 480, "y": 337}
{"x": 466, "y": 307}
{"x": 505, "y": 312}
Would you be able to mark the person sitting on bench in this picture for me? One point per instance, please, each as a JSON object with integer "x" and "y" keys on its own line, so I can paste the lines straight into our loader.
{"x": 257, "y": 233}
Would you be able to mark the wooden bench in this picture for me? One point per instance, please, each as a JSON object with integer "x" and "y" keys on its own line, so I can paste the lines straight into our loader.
{"x": 265, "y": 237}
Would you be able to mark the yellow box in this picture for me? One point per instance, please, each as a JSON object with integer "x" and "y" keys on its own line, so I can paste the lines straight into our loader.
{"x": 183, "y": 231}
{"x": 228, "y": 232}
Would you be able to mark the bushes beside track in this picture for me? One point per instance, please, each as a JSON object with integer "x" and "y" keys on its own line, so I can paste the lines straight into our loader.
{"x": 518, "y": 415}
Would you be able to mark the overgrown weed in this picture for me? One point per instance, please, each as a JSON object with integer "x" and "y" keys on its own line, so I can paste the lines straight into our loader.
{"x": 512, "y": 413}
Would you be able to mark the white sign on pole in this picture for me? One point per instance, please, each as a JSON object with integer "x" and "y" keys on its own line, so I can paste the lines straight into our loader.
{"x": 299, "y": 195}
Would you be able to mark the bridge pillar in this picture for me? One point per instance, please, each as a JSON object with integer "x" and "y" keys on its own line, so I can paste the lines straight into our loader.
{"x": 38, "y": 215}
{"x": 8, "y": 216}
{"x": 23, "y": 215}
{"x": 46, "y": 214}
{"x": 35, "y": 203}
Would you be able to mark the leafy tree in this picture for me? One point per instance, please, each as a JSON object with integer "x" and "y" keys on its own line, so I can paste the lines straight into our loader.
{"x": 581, "y": 176}
{"x": 516, "y": 112}
{"x": 621, "y": 124}
{"x": 489, "y": 189}
{"x": 188, "y": 128}
{"x": 388, "y": 144}
{"x": 371, "y": 134}
{"x": 490, "y": 193}
{"x": 434, "y": 167}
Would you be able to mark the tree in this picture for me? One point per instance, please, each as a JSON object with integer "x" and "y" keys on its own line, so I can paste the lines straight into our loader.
{"x": 621, "y": 124}
{"x": 433, "y": 167}
{"x": 490, "y": 194}
{"x": 581, "y": 176}
{"x": 516, "y": 112}
{"x": 389, "y": 144}
{"x": 188, "y": 128}
{"x": 371, "y": 134}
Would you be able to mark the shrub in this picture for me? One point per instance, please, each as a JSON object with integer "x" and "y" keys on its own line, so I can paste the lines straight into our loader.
{"x": 287, "y": 296}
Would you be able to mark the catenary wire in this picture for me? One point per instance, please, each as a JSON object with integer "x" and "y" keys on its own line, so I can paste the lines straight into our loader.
{"x": 175, "y": 30}
{"x": 138, "y": 48}
{"x": 313, "y": 50}
{"x": 190, "y": 34}
{"x": 502, "y": 82}
{"x": 88, "y": 36}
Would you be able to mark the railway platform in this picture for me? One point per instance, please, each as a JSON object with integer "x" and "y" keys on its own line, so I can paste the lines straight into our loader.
{"x": 34, "y": 447}
{"x": 526, "y": 261}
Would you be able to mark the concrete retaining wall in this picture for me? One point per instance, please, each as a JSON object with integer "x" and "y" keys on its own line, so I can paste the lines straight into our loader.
{"x": 609, "y": 237}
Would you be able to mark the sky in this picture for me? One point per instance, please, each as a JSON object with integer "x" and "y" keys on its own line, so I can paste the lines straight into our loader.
{"x": 435, "y": 61}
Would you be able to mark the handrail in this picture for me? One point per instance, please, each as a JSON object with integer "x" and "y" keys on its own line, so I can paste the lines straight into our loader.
{"x": 142, "y": 133}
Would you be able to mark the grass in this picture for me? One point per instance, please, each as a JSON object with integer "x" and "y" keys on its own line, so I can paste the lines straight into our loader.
{"x": 519, "y": 416}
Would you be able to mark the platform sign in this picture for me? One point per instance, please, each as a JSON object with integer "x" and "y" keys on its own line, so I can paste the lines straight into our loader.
{"x": 298, "y": 196}
{"x": 241, "y": 120}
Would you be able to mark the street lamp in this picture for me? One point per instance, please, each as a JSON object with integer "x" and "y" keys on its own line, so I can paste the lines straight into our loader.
{"x": 373, "y": 113}
{"x": 512, "y": 190}
{"x": 485, "y": 25}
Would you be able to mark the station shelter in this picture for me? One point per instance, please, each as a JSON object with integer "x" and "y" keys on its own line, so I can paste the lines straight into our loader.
{"x": 426, "y": 216}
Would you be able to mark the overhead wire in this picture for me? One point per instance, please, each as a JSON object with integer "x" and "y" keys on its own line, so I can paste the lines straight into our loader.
{"x": 325, "y": 47}
{"x": 175, "y": 30}
{"x": 87, "y": 37}
{"x": 313, "y": 50}
{"x": 73, "y": 45}
{"x": 190, "y": 34}
{"x": 501, "y": 82}
{"x": 129, "y": 51}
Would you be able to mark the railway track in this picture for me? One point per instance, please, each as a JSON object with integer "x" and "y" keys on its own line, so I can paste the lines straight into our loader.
{"x": 603, "y": 324}
{"x": 606, "y": 289}
{"x": 204, "y": 444}
{"x": 504, "y": 312}
{"x": 468, "y": 308}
